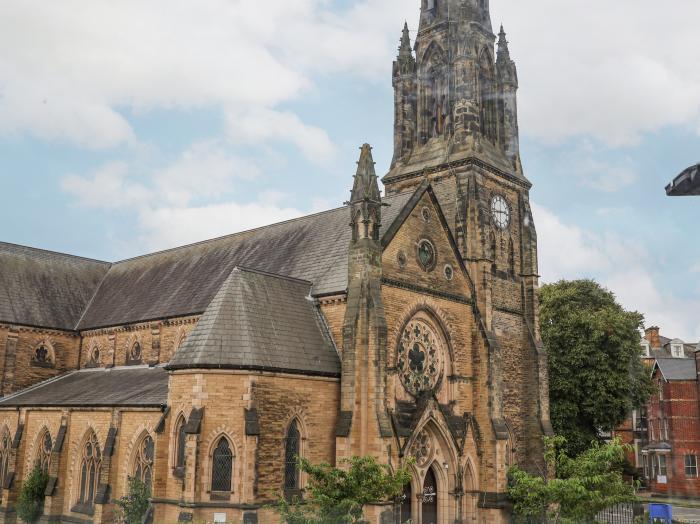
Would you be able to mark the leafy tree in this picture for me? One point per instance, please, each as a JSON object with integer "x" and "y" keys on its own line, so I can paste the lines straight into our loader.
{"x": 30, "y": 503}
{"x": 596, "y": 376}
{"x": 337, "y": 496}
{"x": 582, "y": 487}
{"x": 132, "y": 507}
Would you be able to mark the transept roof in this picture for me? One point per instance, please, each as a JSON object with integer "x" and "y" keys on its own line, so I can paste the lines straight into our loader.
{"x": 250, "y": 319}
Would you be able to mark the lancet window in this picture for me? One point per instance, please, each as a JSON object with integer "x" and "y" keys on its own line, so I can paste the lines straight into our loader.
{"x": 43, "y": 455}
{"x": 292, "y": 447}
{"x": 143, "y": 462}
{"x": 90, "y": 461}
{"x": 222, "y": 467}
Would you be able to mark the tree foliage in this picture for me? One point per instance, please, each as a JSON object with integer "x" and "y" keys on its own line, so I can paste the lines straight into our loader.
{"x": 132, "y": 507}
{"x": 580, "y": 488}
{"x": 30, "y": 503}
{"x": 338, "y": 495}
{"x": 596, "y": 376}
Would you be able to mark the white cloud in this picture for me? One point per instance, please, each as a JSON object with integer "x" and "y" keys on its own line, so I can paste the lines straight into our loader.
{"x": 623, "y": 266}
{"x": 183, "y": 202}
{"x": 612, "y": 70}
{"x": 257, "y": 126}
{"x": 107, "y": 187}
{"x": 68, "y": 69}
{"x": 168, "y": 227}
{"x": 204, "y": 170}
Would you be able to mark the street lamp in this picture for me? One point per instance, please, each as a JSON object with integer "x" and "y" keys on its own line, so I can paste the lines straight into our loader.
{"x": 685, "y": 184}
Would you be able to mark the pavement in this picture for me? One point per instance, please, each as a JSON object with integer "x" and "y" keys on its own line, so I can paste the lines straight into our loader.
{"x": 686, "y": 515}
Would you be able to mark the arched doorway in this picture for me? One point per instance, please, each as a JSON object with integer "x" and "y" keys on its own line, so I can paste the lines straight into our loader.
{"x": 429, "y": 506}
{"x": 405, "y": 513}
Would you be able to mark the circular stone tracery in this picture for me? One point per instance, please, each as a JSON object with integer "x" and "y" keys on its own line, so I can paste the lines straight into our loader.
{"x": 422, "y": 449}
{"x": 419, "y": 360}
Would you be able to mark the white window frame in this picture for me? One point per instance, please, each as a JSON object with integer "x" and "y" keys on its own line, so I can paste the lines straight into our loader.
{"x": 677, "y": 351}
{"x": 645, "y": 462}
{"x": 691, "y": 465}
{"x": 663, "y": 467}
{"x": 666, "y": 429}
{"x": 647, "y": 348}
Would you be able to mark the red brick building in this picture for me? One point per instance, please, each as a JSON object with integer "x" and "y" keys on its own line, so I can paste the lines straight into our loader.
{"x": 672, "y": 419}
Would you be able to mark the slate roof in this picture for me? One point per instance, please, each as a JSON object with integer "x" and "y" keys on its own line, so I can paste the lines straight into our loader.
{"x": 184, "y": 280}
{"x": 126, "y": 386}
{"x": 676, "y": 368}
{"x": 45, "y": 289}
{"x": 260, "y": 321}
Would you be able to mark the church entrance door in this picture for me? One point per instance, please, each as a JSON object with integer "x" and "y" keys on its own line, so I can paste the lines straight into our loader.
{"x": 429, "y": 512}
{"x": 405, "y": 508}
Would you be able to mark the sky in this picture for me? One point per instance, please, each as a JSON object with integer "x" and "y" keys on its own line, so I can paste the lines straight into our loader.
{"x": 128, "y": 127}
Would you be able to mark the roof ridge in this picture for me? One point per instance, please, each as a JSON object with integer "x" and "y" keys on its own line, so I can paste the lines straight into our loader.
{"x": 92, "y": 298}
{"x": 251, "y": 230}
{"x": 39, "y": 385}
{"x": 246, "y": 269}
{"x": 51, "y": 252}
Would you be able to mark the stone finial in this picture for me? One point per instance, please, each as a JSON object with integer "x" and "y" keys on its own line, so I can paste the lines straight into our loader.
{"x": 365, "y": 199}
{"x": 405, "y": 47}
{"x": 365, "y": 186}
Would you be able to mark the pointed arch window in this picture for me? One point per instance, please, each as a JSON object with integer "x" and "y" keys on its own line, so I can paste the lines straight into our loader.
{"x": 5, "y": 446}
{"x": 180, "y": 446}
{"x": 143, "y": 462}
{"x": 292, "y": 451}
{"x": 43, "y": 455}
{"x": 222, "y": 467}
{"x": 90, "y": 462}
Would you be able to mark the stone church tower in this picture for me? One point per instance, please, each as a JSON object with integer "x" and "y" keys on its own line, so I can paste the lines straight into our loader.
{"x": 456, "y": 125}
{"x": 402, "y": 326}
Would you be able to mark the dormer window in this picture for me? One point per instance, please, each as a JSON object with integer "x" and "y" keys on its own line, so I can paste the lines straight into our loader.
{"x": 646, "y": 348}
{"x": 677, "y": 351}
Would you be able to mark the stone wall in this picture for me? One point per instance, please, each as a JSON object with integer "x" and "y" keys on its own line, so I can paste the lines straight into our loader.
{"x": 258, "y": 463}
{"x": 21, "y": 367}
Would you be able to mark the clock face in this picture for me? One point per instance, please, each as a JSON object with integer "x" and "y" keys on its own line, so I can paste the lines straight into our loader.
{"x": 500, "y": 212}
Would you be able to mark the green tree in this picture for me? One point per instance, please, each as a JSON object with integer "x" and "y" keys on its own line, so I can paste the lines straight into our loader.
{"x": 596, "y": 375}
{"x": 575, "y": 489}
{"x": 337, "y": 496}
{"x": 132, "y": 507}
{"x": 30, "y": 503}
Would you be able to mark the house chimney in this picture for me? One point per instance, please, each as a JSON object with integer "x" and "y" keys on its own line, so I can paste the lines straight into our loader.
{"x": 652, "y": 336}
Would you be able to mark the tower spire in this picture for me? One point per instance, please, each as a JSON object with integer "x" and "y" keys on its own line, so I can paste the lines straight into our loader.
{"x": 405, "y": 47}
{"x": 503, "y": 52}
{"x": 365, "y": 187}
{"x": 365, "y": 198}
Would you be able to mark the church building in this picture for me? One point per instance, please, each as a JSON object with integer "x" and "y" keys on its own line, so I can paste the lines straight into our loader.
{"x": 401, "y": 325}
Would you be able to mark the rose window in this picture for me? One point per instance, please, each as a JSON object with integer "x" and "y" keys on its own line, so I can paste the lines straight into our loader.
{"x": 419, "y": 360}
{"x": 422, "y": 449}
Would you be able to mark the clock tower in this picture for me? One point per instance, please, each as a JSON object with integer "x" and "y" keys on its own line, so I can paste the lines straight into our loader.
{"x": 456, "y": 125}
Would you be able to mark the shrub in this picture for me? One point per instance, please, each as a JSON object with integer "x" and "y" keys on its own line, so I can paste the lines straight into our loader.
{"x": 30, "y": 504}
{"x": 133, "y": 506}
